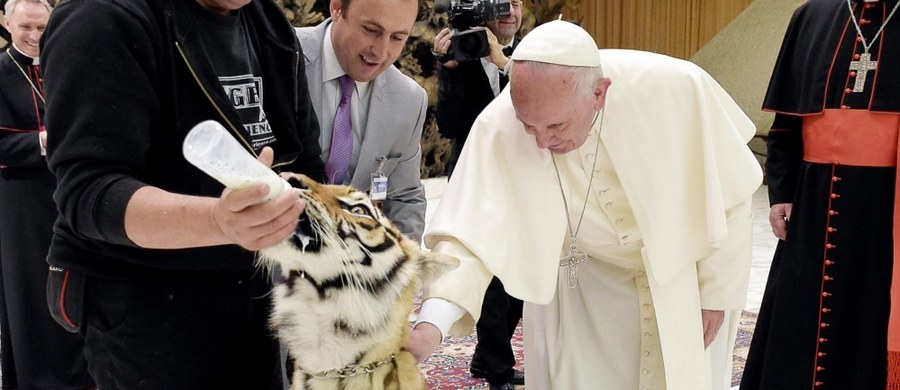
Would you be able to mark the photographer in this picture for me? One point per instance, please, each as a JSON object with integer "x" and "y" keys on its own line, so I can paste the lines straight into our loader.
{"x": 466, "y": 88}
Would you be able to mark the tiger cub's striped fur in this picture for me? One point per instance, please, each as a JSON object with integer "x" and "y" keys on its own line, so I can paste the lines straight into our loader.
{"x": 349, "y": 280}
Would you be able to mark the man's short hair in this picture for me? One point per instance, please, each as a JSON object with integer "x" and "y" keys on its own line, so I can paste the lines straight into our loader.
{"x": 11, "y": 5}
{"x": 345, "y": 4}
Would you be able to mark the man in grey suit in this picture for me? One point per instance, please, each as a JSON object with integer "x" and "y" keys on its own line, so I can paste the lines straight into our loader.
{"x": 386, "y": 108}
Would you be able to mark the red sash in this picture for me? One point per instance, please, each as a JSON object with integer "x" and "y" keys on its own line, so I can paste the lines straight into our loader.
{"x": 863, "y": 138}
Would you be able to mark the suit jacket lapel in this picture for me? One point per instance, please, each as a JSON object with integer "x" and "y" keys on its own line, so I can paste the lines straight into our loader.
{"x": 377, "y": 117}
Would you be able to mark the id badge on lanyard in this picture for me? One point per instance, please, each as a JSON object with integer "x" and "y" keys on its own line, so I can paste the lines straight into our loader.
{"x": 379, "y": 184}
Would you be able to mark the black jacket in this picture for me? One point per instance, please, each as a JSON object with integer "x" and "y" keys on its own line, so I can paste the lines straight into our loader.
{"x": 126, "y": 80}
{"x": 464, "y": 92}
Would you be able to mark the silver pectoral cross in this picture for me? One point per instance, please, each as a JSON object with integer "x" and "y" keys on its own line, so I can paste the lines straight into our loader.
{"x": 571, "y": 261}
{"x": 862, "y": 68}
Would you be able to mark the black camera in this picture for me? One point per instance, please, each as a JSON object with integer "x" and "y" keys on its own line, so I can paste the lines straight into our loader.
{"x": 466, "y": 44}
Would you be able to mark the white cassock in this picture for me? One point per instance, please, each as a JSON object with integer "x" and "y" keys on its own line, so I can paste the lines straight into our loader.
{"x": 667, "y": 231}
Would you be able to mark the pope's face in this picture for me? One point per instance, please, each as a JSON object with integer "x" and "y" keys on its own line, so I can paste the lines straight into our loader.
{"x": 552, "y": 111}
{"x": 369, "y": 35}
{"x": 26, "y": 23}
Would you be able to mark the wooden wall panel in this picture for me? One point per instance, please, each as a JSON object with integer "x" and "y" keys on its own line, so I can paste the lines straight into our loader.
{"x": 675, "y": 27}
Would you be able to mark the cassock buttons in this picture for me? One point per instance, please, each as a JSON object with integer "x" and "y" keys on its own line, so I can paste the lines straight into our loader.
{"x": 848, "y": 91}
{"x": 853, "y": 73}
{"x": 856, "y": 56}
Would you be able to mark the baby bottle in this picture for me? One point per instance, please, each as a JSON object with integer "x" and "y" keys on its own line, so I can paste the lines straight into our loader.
{"x": 217, "y": 153}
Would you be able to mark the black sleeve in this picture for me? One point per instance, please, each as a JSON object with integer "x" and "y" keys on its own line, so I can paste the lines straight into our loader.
{"x": 20, "y": 149}
{"x": 453, "y": 111}
{"x": 19, "y": 146}
{"x": 785, "y": 153}
{"x": 102, "y": 108}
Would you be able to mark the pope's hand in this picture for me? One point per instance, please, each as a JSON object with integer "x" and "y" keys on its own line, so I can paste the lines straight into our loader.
{"x": 712, "y": 321}
{"x": 423, "y": 340}
{"x": 779, "y": 216}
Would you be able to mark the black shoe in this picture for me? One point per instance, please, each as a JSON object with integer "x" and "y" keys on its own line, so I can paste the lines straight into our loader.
{"x": 505, "y": 386}
{"x": 517, "y": 377}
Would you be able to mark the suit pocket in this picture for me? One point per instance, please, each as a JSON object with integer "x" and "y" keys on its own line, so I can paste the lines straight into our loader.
{"x": 65, "y": 298}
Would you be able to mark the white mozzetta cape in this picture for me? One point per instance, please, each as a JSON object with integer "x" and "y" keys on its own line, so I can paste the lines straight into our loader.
{"x": 677, "y": 142}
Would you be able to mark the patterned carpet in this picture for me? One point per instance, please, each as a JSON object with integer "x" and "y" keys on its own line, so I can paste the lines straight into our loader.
{"x": 448, "y": 368}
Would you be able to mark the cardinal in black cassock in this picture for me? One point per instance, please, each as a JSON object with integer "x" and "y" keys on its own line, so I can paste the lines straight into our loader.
{"x": 826, "y": 320}
{"x": 37, "y": 353}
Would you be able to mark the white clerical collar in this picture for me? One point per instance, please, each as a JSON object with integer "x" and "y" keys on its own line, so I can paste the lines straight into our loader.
{"x": 34, "y": 60}
{"x": 331, "y": 68}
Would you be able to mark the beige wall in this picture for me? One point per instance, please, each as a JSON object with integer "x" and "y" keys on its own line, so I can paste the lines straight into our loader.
{"x": 675, "y": 27}
{"x": 742, "y": 55}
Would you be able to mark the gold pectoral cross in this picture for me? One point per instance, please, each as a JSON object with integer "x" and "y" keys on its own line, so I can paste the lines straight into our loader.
{"x": 571, "y": 261}
{"x": 862, "y": 68}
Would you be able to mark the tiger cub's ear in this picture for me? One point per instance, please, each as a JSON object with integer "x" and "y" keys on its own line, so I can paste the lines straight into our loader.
{"x": 433, "y": 264}
{"x": 295, "y": 179}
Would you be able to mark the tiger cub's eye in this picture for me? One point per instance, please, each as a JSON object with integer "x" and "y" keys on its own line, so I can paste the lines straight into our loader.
{"x": 360, "y": 211}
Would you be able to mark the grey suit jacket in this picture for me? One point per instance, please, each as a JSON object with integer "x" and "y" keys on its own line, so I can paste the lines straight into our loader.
{"x": 394, "y": 129}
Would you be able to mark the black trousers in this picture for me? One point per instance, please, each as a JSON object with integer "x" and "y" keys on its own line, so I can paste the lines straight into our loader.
{"x": 500, "y": 314}
{"x": 185, "y": 333}
{"x": 37, "y": 354}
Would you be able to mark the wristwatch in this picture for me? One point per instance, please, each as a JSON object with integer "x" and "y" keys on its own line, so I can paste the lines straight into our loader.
{"x": 441, "y": 58}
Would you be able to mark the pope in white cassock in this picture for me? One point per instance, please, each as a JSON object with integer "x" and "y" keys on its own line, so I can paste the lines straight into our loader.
{"x": 620, "y": 182}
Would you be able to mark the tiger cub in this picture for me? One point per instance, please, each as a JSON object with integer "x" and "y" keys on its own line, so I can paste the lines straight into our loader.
{"x": 349, "y": 278}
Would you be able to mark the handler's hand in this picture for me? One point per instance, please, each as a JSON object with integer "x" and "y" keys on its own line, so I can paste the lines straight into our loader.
{"x": 779, "y": 216}
{"x": 712, "y": 321}
{"x": 423, "y": 340}
{"x": 254, "y": 225}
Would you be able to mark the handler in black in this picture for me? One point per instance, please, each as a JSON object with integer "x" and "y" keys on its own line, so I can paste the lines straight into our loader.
{"x": 832, "y": 158}
{"x": 171, "y": 298}
{"x": 37, "y": 353}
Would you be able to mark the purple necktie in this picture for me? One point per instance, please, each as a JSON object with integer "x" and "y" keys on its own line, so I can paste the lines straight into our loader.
{"x": 341, "y": 136}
